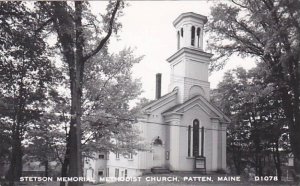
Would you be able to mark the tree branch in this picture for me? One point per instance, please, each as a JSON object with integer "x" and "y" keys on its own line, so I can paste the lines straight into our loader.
{"x": 43, "y": 25}
{"x": 104, "y": 40}
{"x": 238, "y": 4}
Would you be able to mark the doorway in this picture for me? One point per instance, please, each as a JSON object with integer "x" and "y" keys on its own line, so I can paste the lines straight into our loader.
{"x": 158, "y": 153}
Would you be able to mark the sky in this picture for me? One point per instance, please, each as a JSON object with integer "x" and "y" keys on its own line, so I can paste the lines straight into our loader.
{"x": 148, "y": 28}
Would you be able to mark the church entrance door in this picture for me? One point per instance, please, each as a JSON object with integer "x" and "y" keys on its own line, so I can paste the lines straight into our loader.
{"x": 158, "y": 153}
{"x": 158, "y": 156}
{"x": 89, "y": 173}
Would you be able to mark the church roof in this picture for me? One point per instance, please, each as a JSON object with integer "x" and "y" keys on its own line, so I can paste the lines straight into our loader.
{"x": 177, "y": 108}
{"x": 210, "y": 108}
{"x": 173, "y": 108}
{"x": 190, "y": 14}
{"x": 157, "y": 101}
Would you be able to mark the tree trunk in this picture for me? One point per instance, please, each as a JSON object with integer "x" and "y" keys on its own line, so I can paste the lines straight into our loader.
{"x": 257, "y": 151}
{"x": 277, "y": 161}
{"x": 258, "y": 165}
{"x": 70, "y": 34}
{"x": 236, "y": 154}
{"x": 75, "y": 131}
{"x": 46, "y": 163}
{"x": 15, "y": 169}
{"x": 66, "y": 162}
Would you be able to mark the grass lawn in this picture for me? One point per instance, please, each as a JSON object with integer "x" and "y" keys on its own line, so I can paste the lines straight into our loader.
{"x": 174, "y": 180}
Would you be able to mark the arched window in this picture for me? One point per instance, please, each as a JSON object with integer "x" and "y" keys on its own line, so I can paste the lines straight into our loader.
{"x": 181, "y": 32}
{"x": 196, "y": 138}
{"x": 193, "y": 36}
{"x": 157, "y": 141}
{"x": 189, "y": 140}
{"x": 198, "y": 37}
{"x": 178, "y": 40}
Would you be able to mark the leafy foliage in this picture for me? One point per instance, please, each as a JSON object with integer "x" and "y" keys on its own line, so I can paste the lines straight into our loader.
{"x": 26, "y": 76}
{"x": 259, "y": 128}
{"x": 268, "y": 31}
{"x": 108, "y": 89}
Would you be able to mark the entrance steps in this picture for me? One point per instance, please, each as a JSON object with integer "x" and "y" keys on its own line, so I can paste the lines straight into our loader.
{"x": 160, "y": 170}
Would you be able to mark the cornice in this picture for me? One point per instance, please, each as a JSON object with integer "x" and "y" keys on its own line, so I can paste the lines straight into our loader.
{"x": 186, "y": 50}
{"x": 190, "y": 15}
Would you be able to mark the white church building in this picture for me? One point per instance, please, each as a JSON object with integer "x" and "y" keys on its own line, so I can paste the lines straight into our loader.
{"x": 183, "y": 130}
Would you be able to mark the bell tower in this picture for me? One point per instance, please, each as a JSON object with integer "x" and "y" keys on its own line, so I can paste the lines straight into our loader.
{"x": 189, "y": 64}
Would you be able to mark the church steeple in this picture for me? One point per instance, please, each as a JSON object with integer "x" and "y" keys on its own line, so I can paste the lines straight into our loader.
{"x": 189, "y": 65}
{"x": 189, "y": 27}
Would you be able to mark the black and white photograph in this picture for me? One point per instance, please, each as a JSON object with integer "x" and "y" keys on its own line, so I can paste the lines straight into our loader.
{"x": 179, "y": 92}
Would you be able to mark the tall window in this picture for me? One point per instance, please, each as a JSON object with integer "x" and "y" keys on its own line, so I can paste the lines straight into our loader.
{"x": 116, "y": 173}
{"x": 125, "y": 173}
{"x": 196, "y": 138}
{"x": 107, "y": 172}
{"x": 178, "y": 40}
{"x": 117, "y": 155}
{"x": 189, "y": 140}
{"x": 130, "y": 156}
{"x": 198, "y": 37}
{"x": 193, "y": 36}
{"x": 181, "y": 32}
